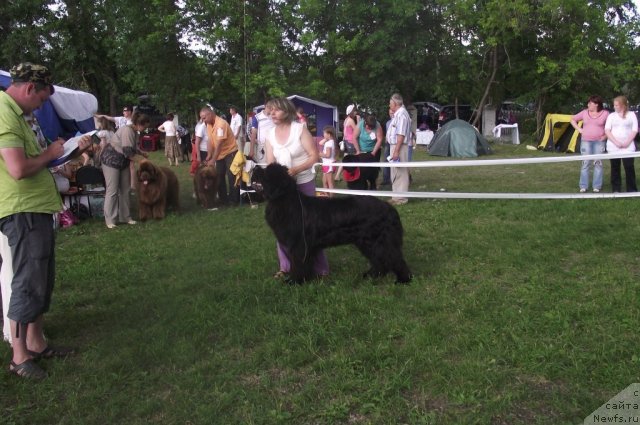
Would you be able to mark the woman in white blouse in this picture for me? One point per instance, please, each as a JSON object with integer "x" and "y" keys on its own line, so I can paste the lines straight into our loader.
{"x": 171, "y": 147}
{"x": 289, "y": 143}
{"x": 621, "y": 129}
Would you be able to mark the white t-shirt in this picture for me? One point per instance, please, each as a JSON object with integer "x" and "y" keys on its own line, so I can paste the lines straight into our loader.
{"x": 264, "y": 127}
{"x": 621, "y": 128}
{"x": 201, "y": 131}
{"x": 122, "y": 121}
{"x": 236, "y": 125}
{"x": 169, "y": 128}
{"x": 105, "y": 135}
{"x": 329, "y": 148}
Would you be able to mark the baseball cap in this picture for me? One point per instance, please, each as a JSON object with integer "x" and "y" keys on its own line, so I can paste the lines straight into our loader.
{"x": 350, "y": 108}
{"x": 27, "y": 72}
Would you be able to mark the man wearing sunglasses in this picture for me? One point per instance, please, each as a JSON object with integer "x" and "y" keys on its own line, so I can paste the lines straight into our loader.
{"x": 121, "y": 121}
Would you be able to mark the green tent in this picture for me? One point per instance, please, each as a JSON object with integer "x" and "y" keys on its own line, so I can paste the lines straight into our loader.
{"x": 458, "y": 138}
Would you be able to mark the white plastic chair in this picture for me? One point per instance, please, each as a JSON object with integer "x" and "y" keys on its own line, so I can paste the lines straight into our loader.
{"x": 510, "y": 130}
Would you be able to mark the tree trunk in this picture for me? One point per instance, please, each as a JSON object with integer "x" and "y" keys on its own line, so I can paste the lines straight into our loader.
{"x": 494, "y": 65}
{"x": 539, "y": 118}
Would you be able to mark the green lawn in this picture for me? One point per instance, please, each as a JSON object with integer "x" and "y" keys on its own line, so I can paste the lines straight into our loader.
{"x": 521, "y": 312}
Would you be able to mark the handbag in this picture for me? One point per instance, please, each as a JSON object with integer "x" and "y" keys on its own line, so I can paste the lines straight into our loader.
{"x": 112, "y": 158}
{"x": 68, "y": 219}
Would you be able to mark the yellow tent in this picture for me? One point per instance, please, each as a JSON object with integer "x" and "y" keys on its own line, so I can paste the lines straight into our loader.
{"x": 559, "y": 135}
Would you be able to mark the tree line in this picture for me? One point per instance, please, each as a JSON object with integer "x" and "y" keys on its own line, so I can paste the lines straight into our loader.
{"x": 183, "y": 53}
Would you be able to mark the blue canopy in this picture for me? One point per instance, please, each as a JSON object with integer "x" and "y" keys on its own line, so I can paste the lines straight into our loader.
{"x": 321, "y": 114}
{"x": 65, "y": 113}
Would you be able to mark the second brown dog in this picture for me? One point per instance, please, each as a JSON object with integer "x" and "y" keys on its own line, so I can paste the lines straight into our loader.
{"x": 205, "y": 186}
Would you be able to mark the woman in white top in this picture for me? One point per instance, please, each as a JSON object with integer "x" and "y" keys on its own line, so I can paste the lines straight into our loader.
{"x": 621, "y": 128}
{"x": 105, "y": 131}
{"x": 171, "y": 147}
{"x": 289, "y": 143}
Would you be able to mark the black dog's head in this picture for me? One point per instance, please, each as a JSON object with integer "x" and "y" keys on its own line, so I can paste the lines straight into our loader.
{"x": 273, "y": 182}
{"x": 348, "y": 159}
{"x": 362, "y": 157}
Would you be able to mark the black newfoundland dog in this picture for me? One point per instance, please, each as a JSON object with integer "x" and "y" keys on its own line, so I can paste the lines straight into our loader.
{"x": 305, "y": 225}
{"x": 360, "y": 178}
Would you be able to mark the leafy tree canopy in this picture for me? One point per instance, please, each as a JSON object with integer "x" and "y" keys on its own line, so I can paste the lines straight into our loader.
{"x": 184, "y": 53}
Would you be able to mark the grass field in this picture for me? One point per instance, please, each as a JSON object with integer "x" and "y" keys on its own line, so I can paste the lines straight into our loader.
{"x": 520, "y": 312}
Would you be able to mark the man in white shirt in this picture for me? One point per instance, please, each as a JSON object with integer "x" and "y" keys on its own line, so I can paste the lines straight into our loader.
{"x": 236, "y": 127}
{"x": 120, "y": 121}
{"x": 202, "y": 140}
{"x": 398, "y": 137}
{"x": 260, "y": 126}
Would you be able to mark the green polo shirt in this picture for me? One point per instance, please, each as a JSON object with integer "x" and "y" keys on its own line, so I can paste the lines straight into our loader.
{"x": 38, "y": 193}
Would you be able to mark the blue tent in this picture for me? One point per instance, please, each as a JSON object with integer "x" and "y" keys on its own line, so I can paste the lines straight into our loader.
{"x": 318, "y": 114}
{"x": 65, "y": 113}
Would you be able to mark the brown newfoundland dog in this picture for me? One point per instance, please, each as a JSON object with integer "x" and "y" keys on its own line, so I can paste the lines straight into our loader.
{"x": 205, "y": 186}
{"x": 157, "y": 189}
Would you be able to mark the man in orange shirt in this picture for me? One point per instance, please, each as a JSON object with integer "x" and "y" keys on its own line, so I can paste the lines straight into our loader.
{"x": 222, "y": 149}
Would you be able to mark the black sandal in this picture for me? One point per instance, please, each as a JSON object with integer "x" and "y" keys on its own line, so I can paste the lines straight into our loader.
{"x": 280, "y": 275}
{"x": 51, "y": 352}
{"x": 28, "y": 370}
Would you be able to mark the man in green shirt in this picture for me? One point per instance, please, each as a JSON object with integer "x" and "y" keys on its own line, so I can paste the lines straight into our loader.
{"x": 28, "y": 200}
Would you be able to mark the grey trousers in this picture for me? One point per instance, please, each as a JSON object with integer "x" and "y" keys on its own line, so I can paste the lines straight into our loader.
{"x": 400, "y": 176}
{"x": 116, "y": 197}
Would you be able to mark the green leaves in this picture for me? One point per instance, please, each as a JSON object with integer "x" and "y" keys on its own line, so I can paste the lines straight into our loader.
{"x": 339, "y": 51}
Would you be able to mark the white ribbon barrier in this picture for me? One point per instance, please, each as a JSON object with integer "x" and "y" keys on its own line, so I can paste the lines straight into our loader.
{"x": 486, "y": 162}
{"x": 462, "y": 195}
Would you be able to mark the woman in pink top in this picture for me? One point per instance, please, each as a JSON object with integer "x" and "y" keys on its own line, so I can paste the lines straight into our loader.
{"x": 351, "y": 145}
{"x": 593, "y": 140}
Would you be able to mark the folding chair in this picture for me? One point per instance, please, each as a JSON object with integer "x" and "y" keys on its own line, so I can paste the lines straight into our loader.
{"x": 90, "y": 181}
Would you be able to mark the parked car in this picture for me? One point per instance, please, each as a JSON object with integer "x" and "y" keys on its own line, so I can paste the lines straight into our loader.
{"x": 509, "y": 112}
{"x": 428, "y": 113}
{"x": 448, "y": 113}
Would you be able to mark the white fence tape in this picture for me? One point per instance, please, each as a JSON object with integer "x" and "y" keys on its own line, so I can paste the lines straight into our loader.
{"x": 481, "y": 163}
{"x": 488, "y": 162}
{"x": 462, "y": 195}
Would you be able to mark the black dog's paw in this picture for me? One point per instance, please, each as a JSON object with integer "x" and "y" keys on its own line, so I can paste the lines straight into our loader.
{"x": 372, "y": 274}
{"x": 404, "y": 280}
{"x": 288, "y": 280}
